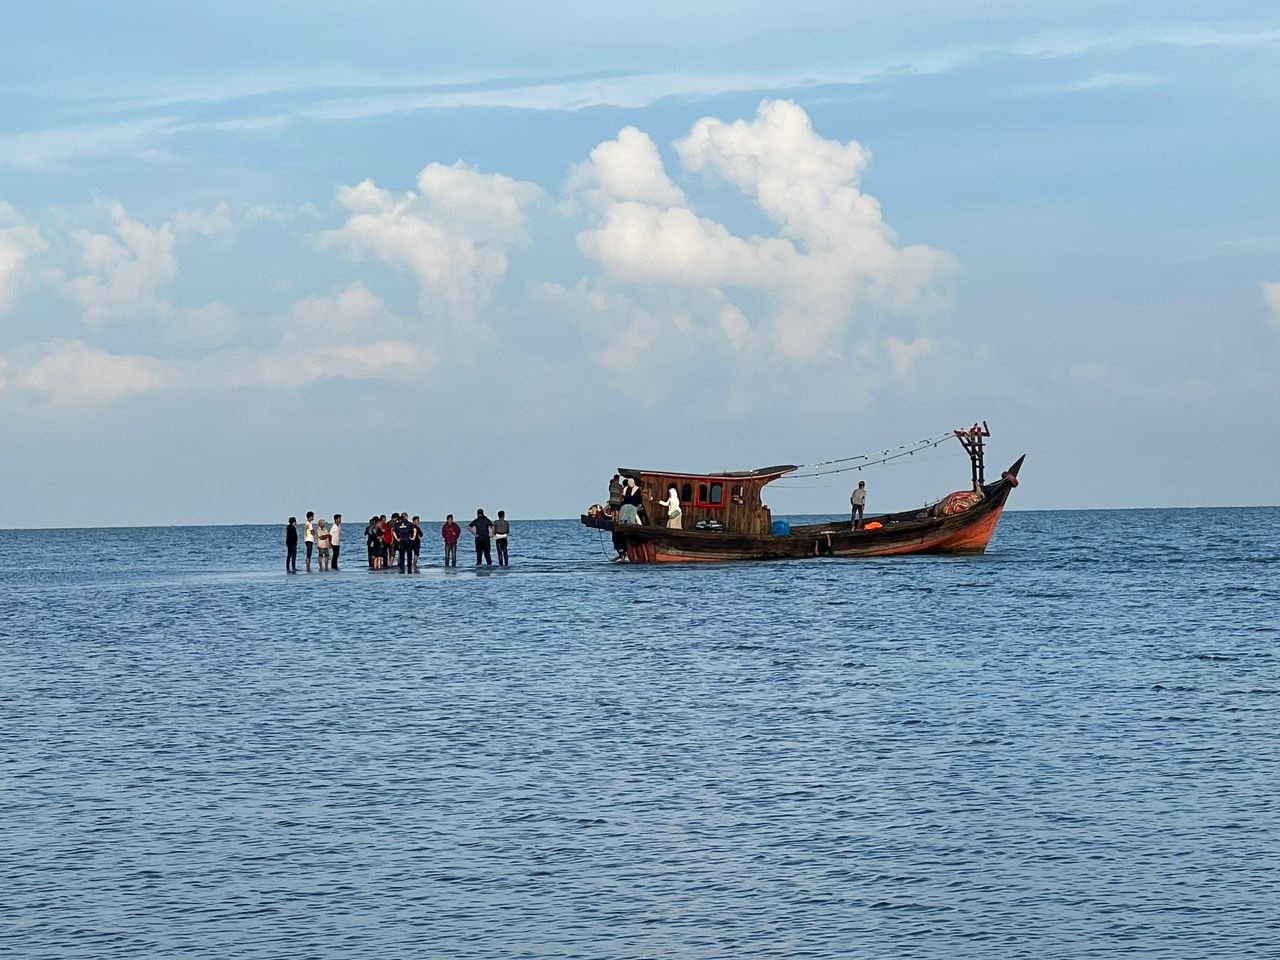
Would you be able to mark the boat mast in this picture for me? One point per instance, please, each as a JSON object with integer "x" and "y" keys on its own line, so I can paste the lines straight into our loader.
{"x": 971, "y": 439}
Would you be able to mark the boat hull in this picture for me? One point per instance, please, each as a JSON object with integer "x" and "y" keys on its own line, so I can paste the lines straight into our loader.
{"x": 968, "y": 532}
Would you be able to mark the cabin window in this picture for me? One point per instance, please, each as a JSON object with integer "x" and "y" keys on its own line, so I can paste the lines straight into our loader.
{"x": 710, "y": 494}
{"x": 739, "y": 494}
{"x": 686, "y": 493}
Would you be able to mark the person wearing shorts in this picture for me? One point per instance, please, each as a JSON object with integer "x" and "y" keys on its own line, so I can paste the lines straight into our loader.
{"x": 416, "y": 543}
{"x": 323, "y": 543}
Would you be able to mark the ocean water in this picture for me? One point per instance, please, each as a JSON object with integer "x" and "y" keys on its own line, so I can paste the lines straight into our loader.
{"x": 1065, "y": 748}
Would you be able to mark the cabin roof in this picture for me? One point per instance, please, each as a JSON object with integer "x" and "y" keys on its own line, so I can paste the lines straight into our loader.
{"x": 760, "y": 473}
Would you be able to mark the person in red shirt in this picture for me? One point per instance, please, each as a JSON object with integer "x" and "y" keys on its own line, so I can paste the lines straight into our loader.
{"x": 450, "y": 532}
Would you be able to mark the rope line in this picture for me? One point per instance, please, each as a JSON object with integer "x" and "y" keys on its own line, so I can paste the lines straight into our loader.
{"x": 886, "y": 456}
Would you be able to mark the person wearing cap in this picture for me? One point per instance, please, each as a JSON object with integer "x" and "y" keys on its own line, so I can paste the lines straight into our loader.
{"x": 859, "y": 503}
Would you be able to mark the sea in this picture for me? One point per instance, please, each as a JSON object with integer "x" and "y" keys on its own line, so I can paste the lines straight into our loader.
{"x": 1065, "y": 748}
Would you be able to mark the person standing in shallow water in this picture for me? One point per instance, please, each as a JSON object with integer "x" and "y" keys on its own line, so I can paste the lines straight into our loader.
{"x": 335, "y": 539}
{"x": 450, "y": 533}
{"x": 480, "y": 528}
{"x": 322, "y": 544}
{"x": 291, "y": 546}
{"x": 417, "y": 543}
{"x": 502, "y": 530}
{"x": 309, "y": 536}
{"x": 858, "y": 500}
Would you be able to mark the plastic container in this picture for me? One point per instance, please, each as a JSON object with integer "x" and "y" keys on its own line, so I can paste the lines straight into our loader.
{"x": 780, "y": 528}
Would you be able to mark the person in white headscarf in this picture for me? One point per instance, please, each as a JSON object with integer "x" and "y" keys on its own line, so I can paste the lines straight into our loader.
{"x": 672, "y": 503}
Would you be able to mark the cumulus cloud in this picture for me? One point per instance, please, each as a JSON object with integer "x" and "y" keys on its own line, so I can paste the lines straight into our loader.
{"x": 627, "y": 167}
{"x": 452, "y": 234}
{"x": 124, "y": 269}
{"x": 833, "y": 256}
{"x": 72, "y": 373}
{"x": 19, "y": 242}
{"x": 1271, "y": 297}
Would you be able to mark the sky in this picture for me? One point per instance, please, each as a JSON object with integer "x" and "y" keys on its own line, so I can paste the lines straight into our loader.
{"x": 259, "y": 258}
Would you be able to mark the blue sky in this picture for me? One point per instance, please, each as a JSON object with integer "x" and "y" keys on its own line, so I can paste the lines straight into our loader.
{"x": 266, "y": 257}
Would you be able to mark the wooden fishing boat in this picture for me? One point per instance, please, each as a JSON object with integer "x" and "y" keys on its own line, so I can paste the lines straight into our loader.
{"x": 725, "y": 518}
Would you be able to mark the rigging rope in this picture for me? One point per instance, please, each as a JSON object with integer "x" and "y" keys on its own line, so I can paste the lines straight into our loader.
{"x": 892, "y": 453}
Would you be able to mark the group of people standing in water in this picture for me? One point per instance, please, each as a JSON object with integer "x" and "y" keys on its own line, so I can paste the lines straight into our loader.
{"x": 396, "y": 541}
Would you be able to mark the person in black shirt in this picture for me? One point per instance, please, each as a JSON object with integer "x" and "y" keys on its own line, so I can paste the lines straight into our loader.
{"x": 291, "y": 546}
{"x": 501, "y": 531}
{"x": 403, "y": 530}
{"x": 480, "y": 528}
{"x": 416, "y": 542}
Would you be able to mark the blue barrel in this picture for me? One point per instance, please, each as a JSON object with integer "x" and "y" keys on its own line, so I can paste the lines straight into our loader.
{"x": 780, "y": 528}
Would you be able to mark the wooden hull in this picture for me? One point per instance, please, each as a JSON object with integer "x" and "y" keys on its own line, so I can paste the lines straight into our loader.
{"x": 904, "y": 533}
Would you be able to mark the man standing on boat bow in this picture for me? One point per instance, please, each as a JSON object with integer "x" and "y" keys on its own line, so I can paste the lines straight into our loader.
{"x": 859, "y": 503}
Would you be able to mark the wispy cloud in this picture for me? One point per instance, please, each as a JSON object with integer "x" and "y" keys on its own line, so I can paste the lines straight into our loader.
{"x": 1096, "y": 81}
{"x": 265, "y": 104}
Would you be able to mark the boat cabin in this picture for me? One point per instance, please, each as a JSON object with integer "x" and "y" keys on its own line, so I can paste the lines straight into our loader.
{"x": 729, "y": 502}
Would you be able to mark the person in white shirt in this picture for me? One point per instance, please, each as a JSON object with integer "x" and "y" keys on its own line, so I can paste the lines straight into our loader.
{"x": 322, "y": 544}
{"x": 309, "y": 536}
{"x": 335, "y": 538}
{"x": 859, "y": 503}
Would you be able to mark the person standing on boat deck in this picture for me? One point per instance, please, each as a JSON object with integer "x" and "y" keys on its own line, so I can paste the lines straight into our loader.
{"x": 450, "y": 533}
{"x": 615, "y": 495}
{"x": 291, "y": 546}
{"x": 480, "y": 528}
{"x": 858, "y": 501}
{"x": 335, "y": 539}
{"x": 631, "y": 502}
{"x": 672, "y": 503}
{"x": 309, "y": 536}
{"x": 502, "y": 530}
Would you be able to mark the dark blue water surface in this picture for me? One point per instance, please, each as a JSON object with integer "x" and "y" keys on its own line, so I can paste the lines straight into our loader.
{"x": 1065, "y": 748}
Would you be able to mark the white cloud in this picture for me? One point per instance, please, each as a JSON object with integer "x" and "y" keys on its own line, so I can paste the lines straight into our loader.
{"x": 1271, "y": 297}
{"x": 124, "y": 269}
{"x": 1096, "y": 81}
{"x": 211, "y": 224}
{"x": 452, "y": 235}
{"x": 54, "y": 148}
{"x": 628, "y": 167}
{"x": 351, "y": 335}
{"x": 73, "y": 373}
{"x": 19, "y": 242}
{"x": 834, "y": 254}
{"x": 385, "y": 359}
